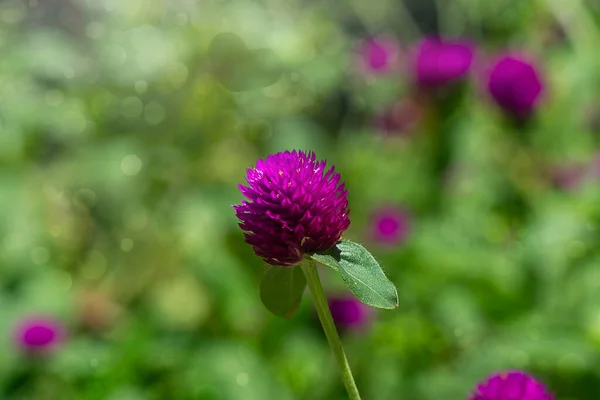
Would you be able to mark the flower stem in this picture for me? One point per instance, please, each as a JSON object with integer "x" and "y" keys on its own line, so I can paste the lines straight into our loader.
{"x": 309, "y": 267}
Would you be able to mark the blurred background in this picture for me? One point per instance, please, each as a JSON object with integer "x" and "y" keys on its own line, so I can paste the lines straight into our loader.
{"x": 126, "y": 126}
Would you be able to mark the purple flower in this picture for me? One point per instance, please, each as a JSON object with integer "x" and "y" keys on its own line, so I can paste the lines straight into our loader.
{"x": 511, "y": 385}
{"x": 294, "y": 206}
{"x": 39, "y": 334}
{"x": 515, "y": 85}
{"x": 348, "y": 312}
{"x": 390, "y": 225}
{"x": 440, "y": 62}
{"x": 378, "y": 54}
{"x": 568, "y": 176}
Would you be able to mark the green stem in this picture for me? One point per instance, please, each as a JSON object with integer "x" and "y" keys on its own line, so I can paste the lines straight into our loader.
{"x": 309, "y": 267}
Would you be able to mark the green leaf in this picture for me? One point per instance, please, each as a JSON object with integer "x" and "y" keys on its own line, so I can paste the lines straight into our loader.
{"x": 361, "y": 273}
{"x": 281, "y": 289}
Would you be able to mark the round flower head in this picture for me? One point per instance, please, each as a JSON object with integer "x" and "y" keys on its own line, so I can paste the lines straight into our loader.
{"x": 348, "y": 312}
{"x": 515, "y": 85}
{"x": 294, "y": 206}
{"x": 390, "y": 225}
{"x": 440, "y": 62}
{"x": 378, "y": 55}
{"x": 511, "y": 385}
{"x": 39, "y": 334}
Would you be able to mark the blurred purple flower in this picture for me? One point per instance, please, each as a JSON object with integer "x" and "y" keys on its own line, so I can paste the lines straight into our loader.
{"x": 378, "y": 54}
{"x": 39, "y": 334}
{"x": 390, "y": 225}
{"x": 515, "y": 85}
{"x": 511, "y": 385}
{"x": 440, "y": 62}
{"x": 294, "y": 206}
{"x": 348, "y": 312}
{"x": 568, "y": 176}
{"x": 399, "y": 118}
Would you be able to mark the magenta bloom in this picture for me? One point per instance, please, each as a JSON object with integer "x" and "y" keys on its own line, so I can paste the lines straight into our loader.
{"x": 515, "y": 85}
{"x": 440, "y": 62}
{"x": 390, "y": 225}
{"x": 511, "y": 385}
{"x": 378, "y": 55}
{"x": 39, "y": 334}
{"x": 294, "y": 206}
{"x": 348, "y": 312}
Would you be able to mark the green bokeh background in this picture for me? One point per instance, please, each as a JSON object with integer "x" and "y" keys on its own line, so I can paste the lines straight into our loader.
{"x": 120, "y": 155}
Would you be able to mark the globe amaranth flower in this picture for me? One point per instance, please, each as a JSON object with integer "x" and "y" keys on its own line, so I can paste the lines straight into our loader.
{"x": 390, "y": 225}
{"x": 348, "y": 312}
{"x": 378, "y": 55}
{"x": 515, "y": 85}
{"x": 39, "y": 334}
{"x": 511, "y": 385}
{"x": 294, "y": 206}
{"x": 439, "y": 62}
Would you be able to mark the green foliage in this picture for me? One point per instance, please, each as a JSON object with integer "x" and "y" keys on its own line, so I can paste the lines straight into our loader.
{"x": 281, "y": 289}
{"x": 361, "y": 273}
{"x": 121, "y": 147}
{"x": 240, "y": 69}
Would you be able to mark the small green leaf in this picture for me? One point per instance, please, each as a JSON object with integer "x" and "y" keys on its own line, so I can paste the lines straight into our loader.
{"x": 281, "y": 289}
{"x": 361, "y": 273}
